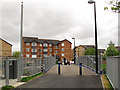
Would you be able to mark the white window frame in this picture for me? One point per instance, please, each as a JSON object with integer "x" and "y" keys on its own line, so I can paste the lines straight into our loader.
{"x": 62, "y": 54}
{"x": 27, "y": 43}
{"x": 62, "y": 44}
{"x": 40, "y": 44}
{"x": 63, "y": 50}
{"x": 27, "y": 55}
{"x": 45, "y": 44}
{"x": 34, "y": 56}
{"x": 40, "y": 55}
{"x": 45, "y": 55}
{"x": 40, "y": 49}
{"x": 50, "y": 50}
{"x": 45, "y": 50}
{"x": 34, "y": 50}
{"x": 50, "y": 44}
{"x": 34, "y": 44}
{"x": 27, "y": 49}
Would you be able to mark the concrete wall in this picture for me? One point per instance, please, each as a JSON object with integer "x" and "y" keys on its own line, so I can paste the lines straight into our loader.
{"x": 113, "y": 70}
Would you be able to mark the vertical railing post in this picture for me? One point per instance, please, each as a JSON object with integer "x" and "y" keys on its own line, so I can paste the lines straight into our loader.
{"x": 7, "y": 71}
{"x": 80, "y": 70}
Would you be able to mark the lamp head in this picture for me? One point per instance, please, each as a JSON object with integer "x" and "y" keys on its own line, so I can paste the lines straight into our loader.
{"x": 73, "y": 38}
{"x": 91, "y": 1}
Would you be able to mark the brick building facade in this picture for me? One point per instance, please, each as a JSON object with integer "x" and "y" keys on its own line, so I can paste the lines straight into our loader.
{"x": 40, "y": 48}
{"x": 5, "y": 48}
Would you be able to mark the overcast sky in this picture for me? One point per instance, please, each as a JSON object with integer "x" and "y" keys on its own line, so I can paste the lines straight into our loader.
{"x": 58, "y": 19}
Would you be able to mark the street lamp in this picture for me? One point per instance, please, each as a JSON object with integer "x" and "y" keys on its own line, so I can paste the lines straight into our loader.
{"x": 74, "y": 52}
{"x": 96, "y": 50}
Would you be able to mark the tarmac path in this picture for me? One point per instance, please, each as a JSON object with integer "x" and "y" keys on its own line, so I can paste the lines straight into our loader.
{"x": 69, "y": 78}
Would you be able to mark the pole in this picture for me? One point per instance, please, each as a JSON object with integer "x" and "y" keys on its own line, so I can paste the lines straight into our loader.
{"x": 74, "y": 52}
{"x": 21, "y": 44}
{"x": 96, "y": 50}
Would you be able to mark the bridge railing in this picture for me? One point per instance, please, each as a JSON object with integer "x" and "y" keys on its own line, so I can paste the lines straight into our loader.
{"x": 89, "y": 62}
{"x": 48, "y": 62}
{"x": 11, "y": 68}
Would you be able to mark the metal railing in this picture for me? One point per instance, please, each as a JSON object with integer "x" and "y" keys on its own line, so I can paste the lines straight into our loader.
{"x": 10, "y": 68}
{"x": 89, "y": 62}
{"x": 48, "y": 62}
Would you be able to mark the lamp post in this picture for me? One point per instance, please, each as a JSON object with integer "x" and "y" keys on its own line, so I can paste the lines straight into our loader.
{"x": 96, "y": 50}
{"x": 20, "y": 68}
{"x": 74, "y": 52}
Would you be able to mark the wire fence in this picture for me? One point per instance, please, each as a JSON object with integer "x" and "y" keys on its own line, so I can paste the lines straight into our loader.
{"x": 90, "y": 62}
{"x": 11, "y": 70}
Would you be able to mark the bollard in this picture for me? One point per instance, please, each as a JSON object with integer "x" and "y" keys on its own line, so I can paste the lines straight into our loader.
{"x": 58, "y": 68}
{"x": 80, "y": 68}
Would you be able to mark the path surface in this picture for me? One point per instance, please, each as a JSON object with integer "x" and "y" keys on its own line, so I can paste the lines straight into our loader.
{"x": 69, "y": 78}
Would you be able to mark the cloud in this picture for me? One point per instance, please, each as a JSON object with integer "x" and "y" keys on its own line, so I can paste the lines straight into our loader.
{"x": 59, "y": 19}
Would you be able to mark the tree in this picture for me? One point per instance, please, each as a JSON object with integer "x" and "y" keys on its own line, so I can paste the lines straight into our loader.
{"x": 111, "y": 43}
{"x": 111, "y": 50}
{"x": 90, "y": 51}
{"x": 115, "y": 6}
{"x": 16, "y": 54}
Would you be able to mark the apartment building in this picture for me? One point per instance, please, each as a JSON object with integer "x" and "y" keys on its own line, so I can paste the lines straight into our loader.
{"x": 5, "y": 48}
{"x": 40, "y": 48}
{"x": 80, "y": 50}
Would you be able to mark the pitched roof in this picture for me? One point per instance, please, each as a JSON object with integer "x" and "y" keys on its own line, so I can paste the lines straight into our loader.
{"x": 87, "y": 46}
{"x": 31, "y": 39}
{"x": 66, "y": 40}
{"x": 5, "y": 41}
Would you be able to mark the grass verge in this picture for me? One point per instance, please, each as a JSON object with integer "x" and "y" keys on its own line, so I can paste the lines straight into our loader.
{"x": 25, "y": 79}
{"x": 106, "y": 82}
{"x": 7, "y": 87}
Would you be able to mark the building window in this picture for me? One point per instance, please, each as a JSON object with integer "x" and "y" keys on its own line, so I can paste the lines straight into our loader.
{"x": 56, "y": 51}
{"x": 40, "y": 50}
{"x": 34, "y": 44}
{"x": 34, "y": 56}
{"x": 62, "y": 44}
{"x": 45, "y": 55}
{"x": 50, "y": 44}
{"x": 27, "y": 49}
{"x": 40, "y": 45}
{"x": 40, "y": 55}
{"x": 62, "y": 54}
{"x": 45, "y": 44}
{"x": 56, "y": 47}
{"x": 45, "y": 50}
{"x": 50, "y": 54}
{"x": 27, "y": 43}
{"x": 34, "y": 50}
{"x": 50, "y": 50}
{"x": 27, "y": 55}
{"x": 62, "y": 49}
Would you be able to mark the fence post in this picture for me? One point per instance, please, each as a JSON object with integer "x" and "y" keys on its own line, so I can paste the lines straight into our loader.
{"x": 7, "y": 71}
{"x": 80, "y": 65}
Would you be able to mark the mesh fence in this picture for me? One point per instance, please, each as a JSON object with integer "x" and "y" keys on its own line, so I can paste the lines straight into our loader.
{"x": 89, "y": 62}
{"x": 10, "y": 68}
{"x": 48, "y": 62}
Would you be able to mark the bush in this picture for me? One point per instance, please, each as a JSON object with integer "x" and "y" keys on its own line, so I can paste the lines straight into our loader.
{"x": 7, "y": 87}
